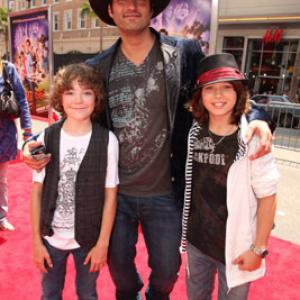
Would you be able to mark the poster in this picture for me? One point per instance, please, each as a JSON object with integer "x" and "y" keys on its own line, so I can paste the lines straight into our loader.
{"x": 188, "y": 19}
{"x": 29, "y": 36}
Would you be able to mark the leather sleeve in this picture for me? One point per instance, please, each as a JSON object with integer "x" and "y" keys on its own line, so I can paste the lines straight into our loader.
{"x": 258, "y": 113}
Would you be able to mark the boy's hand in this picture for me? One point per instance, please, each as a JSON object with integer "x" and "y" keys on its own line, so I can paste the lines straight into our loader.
{"x": 262, "y": 129}
{"x": 37, "y": 162}
{"x": 40, "y": 256}
{"x": 248, "y": 261}
{"x": 98, "y": 258}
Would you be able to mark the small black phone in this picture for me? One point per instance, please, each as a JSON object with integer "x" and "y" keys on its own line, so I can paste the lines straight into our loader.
{"x": 38, "y": 150}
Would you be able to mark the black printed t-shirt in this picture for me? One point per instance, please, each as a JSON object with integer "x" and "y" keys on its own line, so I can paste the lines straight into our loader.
{"x": 137, "y": 102}
{"x": 208, "y": 214}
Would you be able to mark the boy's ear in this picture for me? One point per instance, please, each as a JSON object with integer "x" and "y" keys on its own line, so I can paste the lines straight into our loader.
{"x": 110, "y": 11}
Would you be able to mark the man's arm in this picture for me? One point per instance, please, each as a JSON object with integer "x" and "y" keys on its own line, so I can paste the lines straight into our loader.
{"x": 259, "y": 113}
{"x": 98, "y": 254}
{"x": 260, "y": 123}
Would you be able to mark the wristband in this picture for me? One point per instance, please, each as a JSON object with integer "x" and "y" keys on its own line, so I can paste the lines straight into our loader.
{"x": 27, "y": 134}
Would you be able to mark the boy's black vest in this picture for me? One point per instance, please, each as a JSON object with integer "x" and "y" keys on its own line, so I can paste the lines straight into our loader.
{"x": 89, "y": 186}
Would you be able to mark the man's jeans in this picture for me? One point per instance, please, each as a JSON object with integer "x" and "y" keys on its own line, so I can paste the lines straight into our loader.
{"x": 200, "y": 275}
{"x": 3, "y": 190}
{"x": 160, "y": 220}
{"x": 53, "y": 281}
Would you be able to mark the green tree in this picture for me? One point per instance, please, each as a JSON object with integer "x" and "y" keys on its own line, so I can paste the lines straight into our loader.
{"x": 4, "y": 25}
{"x": 85, "y": 8}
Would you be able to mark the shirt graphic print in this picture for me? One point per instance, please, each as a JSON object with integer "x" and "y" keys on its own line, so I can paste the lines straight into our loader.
{"x": 64, "y": 214}
{"x": 137, "y": 103}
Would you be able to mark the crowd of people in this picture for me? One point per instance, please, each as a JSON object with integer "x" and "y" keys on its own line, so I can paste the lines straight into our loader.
{"x": 138, "y": 145}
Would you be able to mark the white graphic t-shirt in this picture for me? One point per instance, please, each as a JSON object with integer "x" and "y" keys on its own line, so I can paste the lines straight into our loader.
{"x": 72, "y": 151}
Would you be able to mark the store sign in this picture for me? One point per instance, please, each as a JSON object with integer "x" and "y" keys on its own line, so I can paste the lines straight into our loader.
{"x": 273, "y": 35}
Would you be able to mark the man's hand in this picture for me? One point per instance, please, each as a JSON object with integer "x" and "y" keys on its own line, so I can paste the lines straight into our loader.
{"x": 36, "y": 162}
{"x": 262, "y": 129}
{"x": 248, "y": 261}
{"x": 98, "y": 258}
{"x": 40, "y": 256}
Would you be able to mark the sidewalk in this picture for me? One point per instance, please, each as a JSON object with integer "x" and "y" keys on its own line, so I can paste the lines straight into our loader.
{"x": 288, "y": 196}
{"x": 287, "y": 155}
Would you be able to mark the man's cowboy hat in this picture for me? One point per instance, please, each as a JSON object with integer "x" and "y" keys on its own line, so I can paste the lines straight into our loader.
{"x": 100, "y": 7}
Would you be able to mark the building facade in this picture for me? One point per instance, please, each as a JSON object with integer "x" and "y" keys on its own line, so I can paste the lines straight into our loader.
{"x": 264, "y": 36}
{"x": 72, "y": 31}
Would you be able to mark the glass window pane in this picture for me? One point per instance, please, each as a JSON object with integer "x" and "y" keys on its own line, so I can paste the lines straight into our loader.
{"x": 271, "y": 64}
{"x": 291, "y": 64}
{"x": 233, "y": 42}
{"x": 293, "y": 46}
{"x": 255, "y": 44}
{"x": 253, "y": 59}
{"x": 268, "y": 85}
{"x": 238, "y": 55}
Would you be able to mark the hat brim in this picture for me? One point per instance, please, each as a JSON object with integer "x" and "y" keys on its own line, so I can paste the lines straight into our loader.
{"x": 100, "y": 7}
{"x": 245, "y": 82}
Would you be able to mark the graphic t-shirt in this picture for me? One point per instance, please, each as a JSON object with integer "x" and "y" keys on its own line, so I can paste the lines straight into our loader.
{"x": 72, "y": 150}
{"x": 208, "y": 215}
{"x": 137, "y": 102}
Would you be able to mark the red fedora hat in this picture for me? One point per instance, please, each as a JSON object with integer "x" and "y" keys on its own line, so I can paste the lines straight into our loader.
{"x": 100, "y": 7}
{"x": 219, "y": 67}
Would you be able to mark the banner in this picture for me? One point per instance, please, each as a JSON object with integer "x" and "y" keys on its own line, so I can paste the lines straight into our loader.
{"x": 186, "y": 18}
{"x": 29, "y": 36}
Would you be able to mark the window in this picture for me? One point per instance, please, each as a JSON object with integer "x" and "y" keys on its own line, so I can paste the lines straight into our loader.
{"x": 55, "y": 21}
{"x": 68, "y": 20}
{"x": 95, "y": 22}
{"x": 55, "y": 1}
{"x": 270, "y": 66}
{"x": 235, "y": 46}
{"x": 43, "y": 2}
{"x": 11, "y": 5}
{"x": 23, "y": 5}
{"x": 32, "y": 3}
{"x": 82, "y": 19}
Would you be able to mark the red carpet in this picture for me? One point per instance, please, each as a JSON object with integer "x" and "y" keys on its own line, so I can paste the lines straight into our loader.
{"x": 20, "y": 280}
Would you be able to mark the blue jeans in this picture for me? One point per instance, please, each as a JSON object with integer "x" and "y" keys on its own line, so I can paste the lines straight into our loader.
{"x": 53, "y": 281}
{"x": 201, "y": 270}
{"x": 160, "y": 220}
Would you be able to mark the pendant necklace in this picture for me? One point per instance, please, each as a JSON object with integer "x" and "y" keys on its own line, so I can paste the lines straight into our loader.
{"x": 213, "y": 143}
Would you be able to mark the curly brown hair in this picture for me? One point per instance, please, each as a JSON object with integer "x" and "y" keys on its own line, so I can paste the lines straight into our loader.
{"x": 87, "y": 76}
{"x": 242, "y": 105}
